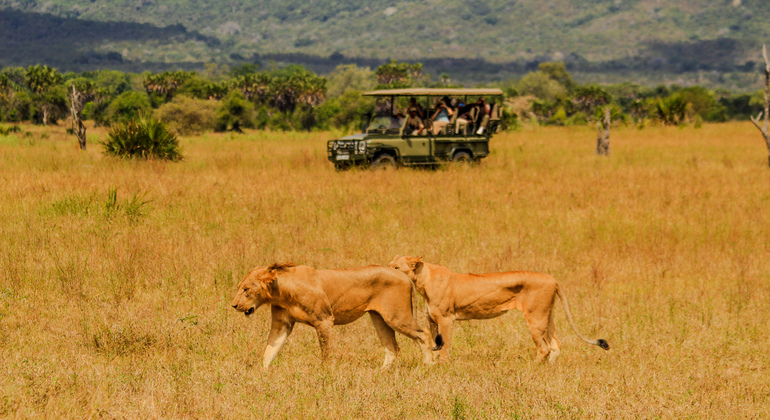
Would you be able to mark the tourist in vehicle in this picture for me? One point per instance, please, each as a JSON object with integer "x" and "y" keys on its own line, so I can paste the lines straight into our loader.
{"x": 464, "y": 117}
{"x": 440, "y": 118}
{"x": 482, "y": 119}
{"x": 450, "y": 104}
{"x": 414, "y": 105}
{"x": 414, "y": 125}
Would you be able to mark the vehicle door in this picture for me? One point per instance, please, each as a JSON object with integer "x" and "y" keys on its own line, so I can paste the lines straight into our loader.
{"x": 415, "y": 148}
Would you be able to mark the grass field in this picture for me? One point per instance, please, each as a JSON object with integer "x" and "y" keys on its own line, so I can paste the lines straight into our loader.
{"x": 116, "y": 276}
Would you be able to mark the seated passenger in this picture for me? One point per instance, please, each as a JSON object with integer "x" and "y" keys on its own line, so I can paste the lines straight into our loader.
{"x": 440, "y": 117}
{"x": 414, "y": 125}
{"x": 449, "y": 103}
{"x": 414, "y": 105}
{"x": 464, "y": 117}
{"x": 482, "y": 119}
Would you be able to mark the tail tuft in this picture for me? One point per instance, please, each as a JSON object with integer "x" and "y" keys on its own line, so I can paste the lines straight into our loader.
{"x": 440, "y": 342}
{"x": 603, "y": 344}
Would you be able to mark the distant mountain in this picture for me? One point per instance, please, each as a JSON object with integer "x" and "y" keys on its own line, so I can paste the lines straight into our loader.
{"x": 671, "y": 37}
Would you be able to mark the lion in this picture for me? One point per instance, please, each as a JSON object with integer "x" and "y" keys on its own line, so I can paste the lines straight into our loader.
{"x": 451, "y": 296}
{"x": 324, "y": 298}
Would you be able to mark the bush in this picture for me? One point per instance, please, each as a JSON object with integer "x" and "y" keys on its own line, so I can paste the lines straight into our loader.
{"x": 346, "y": 111}
{"x": 187, "y": 115}
{"x": 127, "y": 106}
{"x": 235, "y": 112}
{"x": 145, "y": 138}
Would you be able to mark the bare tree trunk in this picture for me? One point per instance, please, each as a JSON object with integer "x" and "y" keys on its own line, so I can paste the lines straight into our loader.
{"x": 603, "y": 135}
{"x": 764, "y": 128}
{"x": 76, "y": 107}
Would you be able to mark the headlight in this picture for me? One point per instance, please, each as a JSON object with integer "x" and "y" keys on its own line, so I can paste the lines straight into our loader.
{"x": 335, "y": 146}
{"x": 361, "y": 146}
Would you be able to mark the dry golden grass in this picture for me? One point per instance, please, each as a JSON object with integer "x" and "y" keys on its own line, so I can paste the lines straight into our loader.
{"x": 119, "y": 307}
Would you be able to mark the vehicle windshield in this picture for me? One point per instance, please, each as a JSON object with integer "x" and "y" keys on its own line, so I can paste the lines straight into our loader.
{"x": 384, "y": 123}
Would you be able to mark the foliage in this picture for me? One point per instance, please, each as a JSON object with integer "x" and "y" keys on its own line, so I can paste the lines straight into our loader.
{"x": 40, "y": 79}
{"x": 295, "y": 85}
{"x": 557, "y": 71}
{"x": 703, "y": 103}
{"x": 346, "y": 111}
{"x": 162, "y": 86}
{"x": 542, "y": 86}
{"x": 349, "y": 77}
{"x": 235, "y": 112}
{"x": 253, "y": 86}
{"x": 294, "y": 98}
{"x": 671, "y": 110}
{"x": 587, "y": 98}
{"x": 187, "y": 115}
{"x": 127, "y": 106}
{"x": 394, "y": 75}
{"x": 142, "y": 138}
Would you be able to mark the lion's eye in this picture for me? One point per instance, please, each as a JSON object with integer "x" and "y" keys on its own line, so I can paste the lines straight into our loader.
{"x": 245, "y": 290}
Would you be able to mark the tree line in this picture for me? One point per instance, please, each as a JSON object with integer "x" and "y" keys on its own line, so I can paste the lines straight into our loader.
{"x": 294, "y": 98}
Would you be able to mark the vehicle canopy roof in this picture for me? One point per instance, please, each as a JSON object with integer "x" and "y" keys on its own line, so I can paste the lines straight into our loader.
{"x": 435, "y": 92}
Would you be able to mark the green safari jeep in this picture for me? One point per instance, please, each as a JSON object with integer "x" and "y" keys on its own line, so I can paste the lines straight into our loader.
{"x": 387, "y": 140}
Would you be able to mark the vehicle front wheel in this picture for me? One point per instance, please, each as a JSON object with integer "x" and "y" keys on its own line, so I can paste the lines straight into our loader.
{"x": 384, "y": 161}
{"x": 462, "y": 158}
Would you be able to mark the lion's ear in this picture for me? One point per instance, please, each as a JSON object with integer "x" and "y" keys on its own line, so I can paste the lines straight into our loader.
{"x": 268, "y": 277}
{"x": 415, "y": 263}
{"x": 417, "y": 267}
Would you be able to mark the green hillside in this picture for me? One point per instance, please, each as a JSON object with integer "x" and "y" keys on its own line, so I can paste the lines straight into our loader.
{"x": 607, "y": 36}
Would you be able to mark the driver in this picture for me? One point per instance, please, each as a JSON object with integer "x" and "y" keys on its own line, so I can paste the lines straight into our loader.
{"x": 414, "y": 125}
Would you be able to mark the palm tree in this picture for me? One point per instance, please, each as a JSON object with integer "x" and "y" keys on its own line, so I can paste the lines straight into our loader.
{"x": 41, "y": 80}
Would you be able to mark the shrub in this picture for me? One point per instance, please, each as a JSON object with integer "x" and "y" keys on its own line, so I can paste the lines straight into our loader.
{"x": 235, "y": 112}
{"x": 346, "y": 111}
{"x": 127, "y": 106}
{"x": 188, "y": 115}
{"x": 145, "y": 138}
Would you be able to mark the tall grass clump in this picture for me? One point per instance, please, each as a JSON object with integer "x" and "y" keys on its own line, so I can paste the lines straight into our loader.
{"x": 144, "y": 138}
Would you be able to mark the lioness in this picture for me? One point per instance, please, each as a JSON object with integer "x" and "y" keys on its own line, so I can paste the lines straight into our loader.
{"x": 323, "y": 298}
{"x": 452, "y": 296}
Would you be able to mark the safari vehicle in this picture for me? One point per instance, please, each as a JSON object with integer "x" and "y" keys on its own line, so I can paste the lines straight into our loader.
{"x": 387, "y": 142}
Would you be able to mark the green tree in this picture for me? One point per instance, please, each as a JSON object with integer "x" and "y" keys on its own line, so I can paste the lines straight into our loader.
{"x": 235, "y": 112}
{"x": 702, "y": 102}
{"x": 587, "y": 98}
{"x": 127, "y": 106}
{"x": 558, "y": 72}
{"x": 346, "y": 111}
{"x": 295, "y": 85}
{"x": 541, "y": 86}
{"x": 164, "y": 85}
{"x": 394, "y": 75}
{"x": 671, "y": 110}
{"x": 42, "y": 80}
{"x": 349, "y": 77}
{"x": 187, "y": 115}
{"x": 253, "y": 86}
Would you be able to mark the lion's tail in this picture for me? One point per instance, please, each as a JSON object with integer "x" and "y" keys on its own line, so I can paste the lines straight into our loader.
{"x": 600, "y": 342}
{"x": 439, "y": 339}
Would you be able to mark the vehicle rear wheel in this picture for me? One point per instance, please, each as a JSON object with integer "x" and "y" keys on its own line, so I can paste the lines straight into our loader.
{"x": 384, "y": 161}
{"x": 462, "y": 158}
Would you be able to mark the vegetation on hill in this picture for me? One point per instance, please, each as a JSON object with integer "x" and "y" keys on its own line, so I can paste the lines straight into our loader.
{"x": 468, "y": 39}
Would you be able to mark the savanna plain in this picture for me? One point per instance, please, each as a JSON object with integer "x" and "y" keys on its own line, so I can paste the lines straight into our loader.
{"x": 116, "y": 276}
